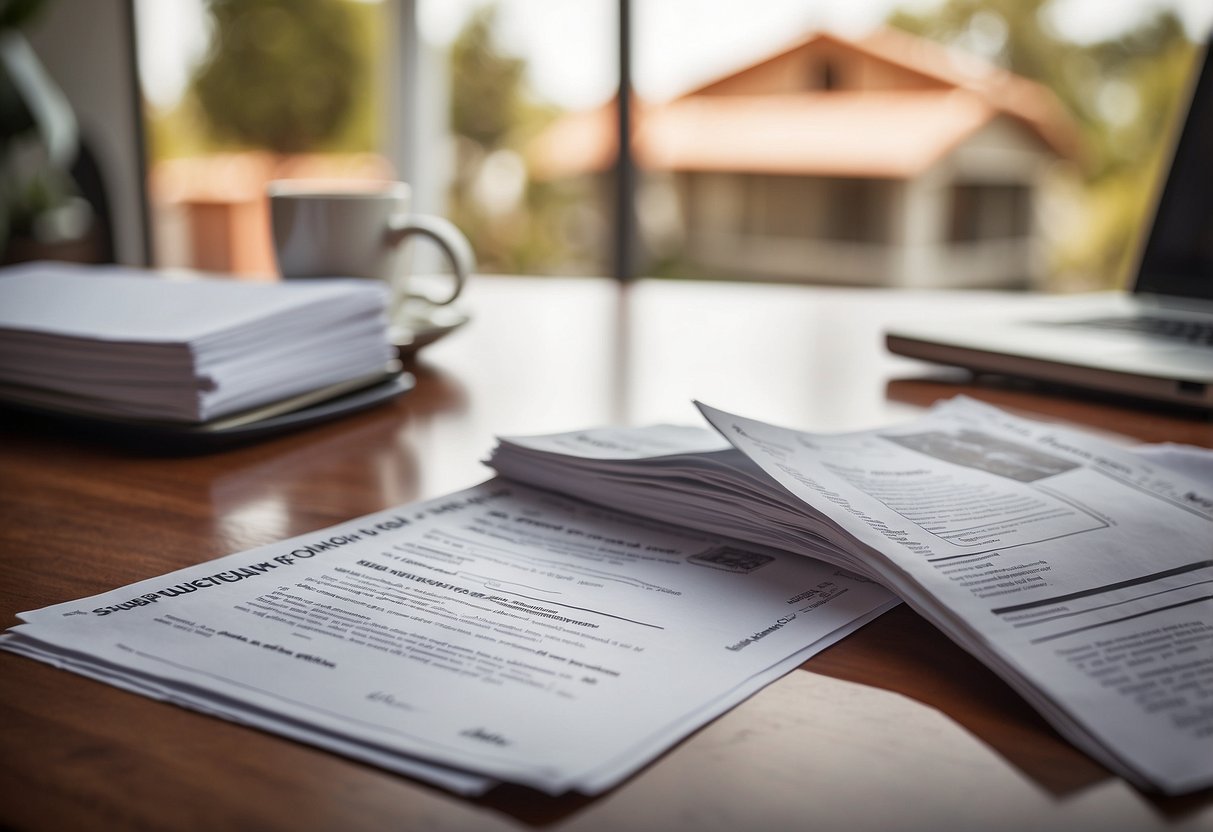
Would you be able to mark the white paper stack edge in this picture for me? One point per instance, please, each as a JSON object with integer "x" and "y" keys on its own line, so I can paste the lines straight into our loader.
{"x": 111, "y": 341}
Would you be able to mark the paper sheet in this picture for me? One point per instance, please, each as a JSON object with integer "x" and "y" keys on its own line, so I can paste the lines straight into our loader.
{"x": 502, "y": 632}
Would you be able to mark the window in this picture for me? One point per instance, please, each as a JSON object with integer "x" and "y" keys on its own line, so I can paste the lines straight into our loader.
{"x": 240, "y": 92}
{"x": 826, "y": 75}
{"x": 504, "y": 115}
{"x": 989, "y": 212}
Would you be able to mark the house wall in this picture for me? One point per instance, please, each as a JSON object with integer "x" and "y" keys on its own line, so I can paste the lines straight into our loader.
{"x": 999, "y": 173}
{"x": 904, "y": 233}
{"x": 1002, "y": 151}
{"x": 797, "y": 228}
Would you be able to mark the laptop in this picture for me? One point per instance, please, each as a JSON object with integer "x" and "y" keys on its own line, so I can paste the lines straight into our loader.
{"x": 1153, "y": 342}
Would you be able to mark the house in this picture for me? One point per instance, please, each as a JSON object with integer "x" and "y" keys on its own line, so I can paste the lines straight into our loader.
{"x": 888, "y": 160}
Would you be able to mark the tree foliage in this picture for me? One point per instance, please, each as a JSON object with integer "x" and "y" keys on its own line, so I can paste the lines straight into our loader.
{"x": 493, "y": 114}
{"x": 282, "y": 75}
{"x": 487, "y": 84}
{"x": 1123, "y": 93}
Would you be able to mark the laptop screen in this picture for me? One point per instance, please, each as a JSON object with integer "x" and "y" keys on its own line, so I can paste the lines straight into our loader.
{"x": 1178, "y": 257}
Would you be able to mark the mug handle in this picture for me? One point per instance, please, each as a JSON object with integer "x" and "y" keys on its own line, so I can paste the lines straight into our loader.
{"x": 450, "y": 239}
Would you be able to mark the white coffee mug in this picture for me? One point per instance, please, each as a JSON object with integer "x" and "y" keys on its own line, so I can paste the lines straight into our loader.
{"x": 324, "y": 230}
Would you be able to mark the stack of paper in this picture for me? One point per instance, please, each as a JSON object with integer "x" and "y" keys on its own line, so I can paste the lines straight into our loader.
{"x": 674, "y": 473}
{"x": 120, "y": 342}
{"x": 498, "y": 634}
{"x": 521, "y": 634}
{"x": 1076, "y": 570}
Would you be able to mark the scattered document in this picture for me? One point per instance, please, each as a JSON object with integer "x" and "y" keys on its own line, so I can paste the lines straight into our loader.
{"x": 117, "y": 342}
{"x": 502, "y": 633}
{"x": 1078, "y": 571}
{"x": 613, "y": 590}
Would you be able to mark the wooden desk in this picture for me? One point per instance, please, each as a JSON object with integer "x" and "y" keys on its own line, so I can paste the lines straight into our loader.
{"x": 893, "y": 728}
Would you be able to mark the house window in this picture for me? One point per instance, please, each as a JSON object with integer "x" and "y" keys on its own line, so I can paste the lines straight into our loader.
{"x": 852, "y": 210}
{"x": 826, "y": 76}
{"x": 989, "y": 212}
{"x": 809, "y": 207}
{"x": 781, "y": 206}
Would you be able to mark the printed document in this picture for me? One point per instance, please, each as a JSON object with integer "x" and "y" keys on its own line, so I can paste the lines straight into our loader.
{"x": 499, "y": 634}
{"x": 1080, "y": 571}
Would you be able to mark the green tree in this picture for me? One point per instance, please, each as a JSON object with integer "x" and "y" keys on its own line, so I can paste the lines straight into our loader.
{"x": 1121, "y": 93}
{"x": 493, "y": 115}
{"x": 283, "y": 75}
{"x": 487, "y": 85}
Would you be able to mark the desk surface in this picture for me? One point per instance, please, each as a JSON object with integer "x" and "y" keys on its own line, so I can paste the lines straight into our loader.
{"x": 893, "y": 728}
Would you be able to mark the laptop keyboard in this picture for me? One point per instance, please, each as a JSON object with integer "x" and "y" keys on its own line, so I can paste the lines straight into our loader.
{"x": 1189, "y": 331}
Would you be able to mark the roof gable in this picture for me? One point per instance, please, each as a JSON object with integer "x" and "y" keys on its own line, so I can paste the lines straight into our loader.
{"x": 823, "y": 62}
{"x": 887, "y": 105}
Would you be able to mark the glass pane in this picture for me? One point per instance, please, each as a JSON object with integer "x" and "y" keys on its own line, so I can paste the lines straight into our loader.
{"x": 867, "y": 143}
{"x": 949, "y": 144}
{"x": 531, "y": 84}
{"x": 240, "y": 92}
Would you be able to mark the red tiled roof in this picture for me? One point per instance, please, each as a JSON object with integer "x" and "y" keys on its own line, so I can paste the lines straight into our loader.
{"x": 887, "y": 135}
{"x": 1032, "y": 103}
{"x": 882, "y": 133}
